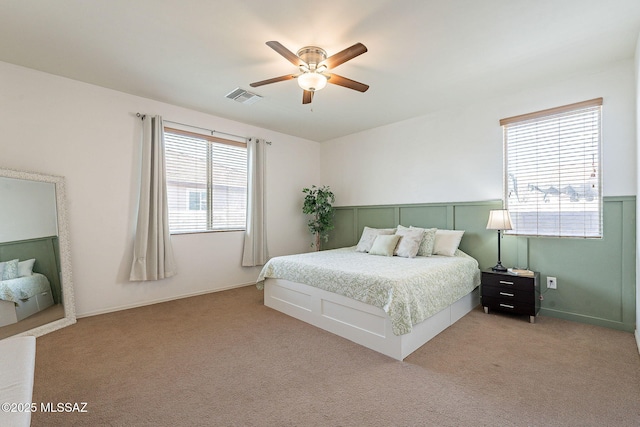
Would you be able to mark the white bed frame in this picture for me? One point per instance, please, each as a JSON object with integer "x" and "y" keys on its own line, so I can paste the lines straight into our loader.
{"x": 11, "y": 312}
{"x": 359, "y": 322}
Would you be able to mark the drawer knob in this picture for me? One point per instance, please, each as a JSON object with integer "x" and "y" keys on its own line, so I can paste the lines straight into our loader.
{"x": 506, "y": 306}
{"x": 504, "y": 282}
{"x": 506, "y": 294}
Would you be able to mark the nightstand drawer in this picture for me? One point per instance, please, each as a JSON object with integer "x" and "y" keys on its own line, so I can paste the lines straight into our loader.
{"x": 508, "y": 281}
{"x": 509, "y": 292}
{"x": 512, "y": 306}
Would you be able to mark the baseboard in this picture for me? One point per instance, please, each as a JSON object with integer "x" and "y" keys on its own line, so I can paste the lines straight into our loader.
{"x": 161, "y": 300}
{"x": 580, "y": 318}
{"x": 638, "y": 339}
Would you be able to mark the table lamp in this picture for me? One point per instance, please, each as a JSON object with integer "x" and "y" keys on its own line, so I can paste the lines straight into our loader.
{"x": 499, "y": 219}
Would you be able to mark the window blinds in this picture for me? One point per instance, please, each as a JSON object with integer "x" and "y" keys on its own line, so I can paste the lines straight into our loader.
{"x": 553, "y": 179}
{"x": 206, "y": 182}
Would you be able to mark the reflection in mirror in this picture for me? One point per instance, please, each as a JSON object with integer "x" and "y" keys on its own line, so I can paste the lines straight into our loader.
{"x": 36, "y": 290}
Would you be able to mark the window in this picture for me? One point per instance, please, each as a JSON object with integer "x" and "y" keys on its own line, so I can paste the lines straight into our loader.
{"x": 553, "y": 181}
{"x": 206, "y": 182}
{"x": 197, "y": 200}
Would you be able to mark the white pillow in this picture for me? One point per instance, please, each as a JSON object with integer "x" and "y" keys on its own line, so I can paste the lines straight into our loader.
{"x": 409, "y": 243}
{"x": 447, "y": 242}
{"x": 369, "y": 235}
{"x": 25, "y": 268}
{"x": 428, "y": 240}
{"x": 384, "y": 244}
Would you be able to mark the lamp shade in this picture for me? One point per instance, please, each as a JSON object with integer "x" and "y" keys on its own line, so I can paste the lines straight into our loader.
{"x": 312, "y": 81}
{"x": 499, "y": 219}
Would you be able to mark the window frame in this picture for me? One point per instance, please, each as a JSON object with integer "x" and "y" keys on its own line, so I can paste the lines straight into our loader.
{"x": 210, "y": 183}
{"x": 539, "y": 117}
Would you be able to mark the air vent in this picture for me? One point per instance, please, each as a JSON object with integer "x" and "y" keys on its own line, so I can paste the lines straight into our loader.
{"x": 244, "y": 96}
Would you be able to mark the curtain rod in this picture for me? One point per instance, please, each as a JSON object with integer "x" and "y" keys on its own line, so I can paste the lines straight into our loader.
{"x": 142, "y": 116}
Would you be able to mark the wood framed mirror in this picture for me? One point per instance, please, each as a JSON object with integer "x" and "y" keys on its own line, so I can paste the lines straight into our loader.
{"x": 36, "y": 286}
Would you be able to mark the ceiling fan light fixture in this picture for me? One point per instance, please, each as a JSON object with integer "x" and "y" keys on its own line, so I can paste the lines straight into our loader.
{"x": 313, "y": 63}
{"x": 312, "y": 81}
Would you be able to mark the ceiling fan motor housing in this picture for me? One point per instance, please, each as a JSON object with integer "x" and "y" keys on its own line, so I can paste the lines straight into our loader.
{"x": 312, "y": 56}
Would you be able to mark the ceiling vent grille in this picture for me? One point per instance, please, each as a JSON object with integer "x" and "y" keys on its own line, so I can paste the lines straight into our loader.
{"x": 244, "y": 96}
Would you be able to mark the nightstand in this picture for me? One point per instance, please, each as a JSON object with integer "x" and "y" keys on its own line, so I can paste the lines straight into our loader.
{"x": 510, "y": 293}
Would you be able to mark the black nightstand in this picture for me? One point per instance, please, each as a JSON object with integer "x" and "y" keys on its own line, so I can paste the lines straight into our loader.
{"x": 510, "y": 293}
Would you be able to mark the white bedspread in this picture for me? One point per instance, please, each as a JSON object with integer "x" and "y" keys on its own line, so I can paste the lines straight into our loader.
{"x": 409, "y": 290}
{"x": 24, "y": 287}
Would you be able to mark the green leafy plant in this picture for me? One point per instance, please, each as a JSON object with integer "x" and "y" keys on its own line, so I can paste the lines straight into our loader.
{"x": 318, "y": 202}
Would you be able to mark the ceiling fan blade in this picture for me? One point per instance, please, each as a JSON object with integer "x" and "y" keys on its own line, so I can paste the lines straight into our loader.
{"x": 289, "y": 56}
{"x": 307, "y": 97}
{"x": 274, "y": 80}
{"x": 348, "y": 83}
{"x": 343, "y": 56}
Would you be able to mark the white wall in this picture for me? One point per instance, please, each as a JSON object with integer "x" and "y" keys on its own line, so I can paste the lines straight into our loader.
{"x": 90, "y": 135}
{"x": 27, "y": 210}
{"x": 456, "y": 155}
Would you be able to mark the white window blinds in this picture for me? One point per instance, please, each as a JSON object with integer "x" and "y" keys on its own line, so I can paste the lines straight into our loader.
{"x": 206, "y": 182}
{"x": 553, "y": 181}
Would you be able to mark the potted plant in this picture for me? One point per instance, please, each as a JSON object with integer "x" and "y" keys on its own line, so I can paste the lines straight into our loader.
{"x": 318, "y": 202}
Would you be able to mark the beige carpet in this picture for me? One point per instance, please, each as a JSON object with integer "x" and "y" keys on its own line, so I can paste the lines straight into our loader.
{"x": 224, "y": 359}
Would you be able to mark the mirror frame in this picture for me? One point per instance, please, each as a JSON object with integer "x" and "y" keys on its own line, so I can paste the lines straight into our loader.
{"x": 68, "y": 297}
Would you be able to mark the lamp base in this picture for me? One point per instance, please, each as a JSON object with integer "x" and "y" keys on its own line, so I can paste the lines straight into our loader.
{"x": 499, "y": 267}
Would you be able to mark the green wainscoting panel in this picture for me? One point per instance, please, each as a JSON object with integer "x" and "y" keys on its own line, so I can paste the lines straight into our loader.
{"x": 629, "y": 221}
{"x": 596, "y": 277}
{"x": 344, "y": 232}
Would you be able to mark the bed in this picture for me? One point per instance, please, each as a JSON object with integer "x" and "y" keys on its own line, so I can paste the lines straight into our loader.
{"x": 24, "y": 296}
{"x": 34, "y": 283}
{"x": 389, "y": 304}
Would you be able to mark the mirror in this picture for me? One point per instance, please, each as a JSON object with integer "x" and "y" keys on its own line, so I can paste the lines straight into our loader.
{"x": 36, "y": 290}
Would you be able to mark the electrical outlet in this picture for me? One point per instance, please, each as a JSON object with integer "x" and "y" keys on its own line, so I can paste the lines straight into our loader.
{"x": 552, "y": 283}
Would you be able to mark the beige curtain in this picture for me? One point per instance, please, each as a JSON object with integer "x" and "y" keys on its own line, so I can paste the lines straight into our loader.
{"x": 255, "y": 238}
{"x": 152, "y": 250}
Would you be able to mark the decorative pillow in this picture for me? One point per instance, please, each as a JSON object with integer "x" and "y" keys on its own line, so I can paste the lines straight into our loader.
{"x": 409, "y": 241}
{"x": 1, "y": 269}
{"x": 447, "y": 242}
{"x": 25, "y": 268}
{"x": 369, "y": 235}
{"x": 384, "y": 244}
{"x": 428, "y": 240}
{"x": 10, "y": 270}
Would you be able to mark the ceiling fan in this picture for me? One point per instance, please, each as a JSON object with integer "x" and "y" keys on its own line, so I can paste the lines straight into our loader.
{"x": 314, "y": 65}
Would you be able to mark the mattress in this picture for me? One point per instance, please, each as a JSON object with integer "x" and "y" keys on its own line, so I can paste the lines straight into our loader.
{"x": 409, "y": 290}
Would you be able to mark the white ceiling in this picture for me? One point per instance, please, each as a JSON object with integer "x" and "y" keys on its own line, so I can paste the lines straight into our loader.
{"x": 424, "y": 55}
